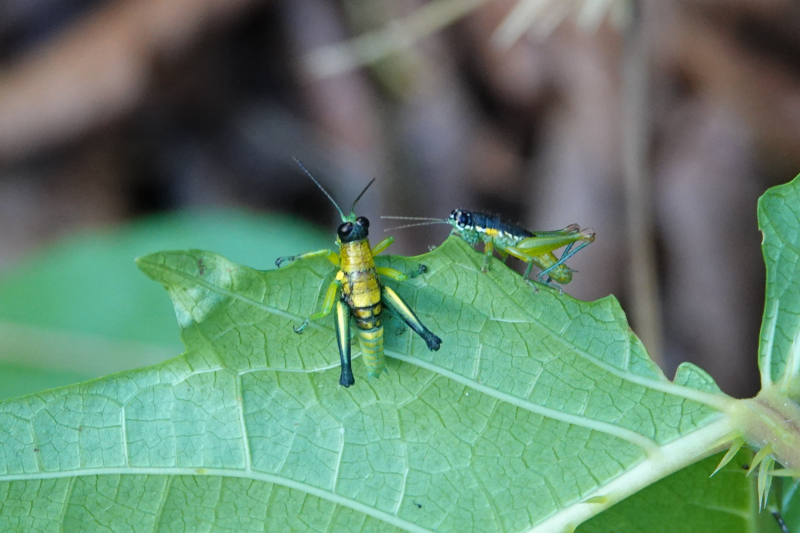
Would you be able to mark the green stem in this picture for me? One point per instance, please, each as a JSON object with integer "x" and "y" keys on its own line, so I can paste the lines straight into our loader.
{"x": 771, "y": 418}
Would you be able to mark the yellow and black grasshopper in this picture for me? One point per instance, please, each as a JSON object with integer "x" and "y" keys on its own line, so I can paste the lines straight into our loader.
{"x": 362, "y": 294}
{"x": 534, "y": 248}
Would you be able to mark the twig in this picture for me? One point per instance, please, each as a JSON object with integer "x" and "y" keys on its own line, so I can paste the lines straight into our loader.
{"x": 643, "y": 289}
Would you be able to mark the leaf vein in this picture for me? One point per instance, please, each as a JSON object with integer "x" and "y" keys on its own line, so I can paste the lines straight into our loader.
{"x": 221, "y": 472}
{"x": 648, "y": 445}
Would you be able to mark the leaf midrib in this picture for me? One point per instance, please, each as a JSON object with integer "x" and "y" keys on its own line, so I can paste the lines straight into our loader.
{"x": 789, "y": 374}
{"x": 648, "y": 445}
{"x": 225, "y": 472}
{"x": 670, "y": 457}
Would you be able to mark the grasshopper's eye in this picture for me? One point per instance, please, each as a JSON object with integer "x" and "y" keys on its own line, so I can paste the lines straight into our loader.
{"x": 362, "y": 221}
{"x": 345, "y": 230}
{"x": 462, "y": 219}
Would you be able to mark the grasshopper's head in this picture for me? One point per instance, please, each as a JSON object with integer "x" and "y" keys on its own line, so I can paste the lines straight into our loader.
{"x": 463, "y": 223}
{"x": 353, "y": 230}
{"x": 461, "y": 220}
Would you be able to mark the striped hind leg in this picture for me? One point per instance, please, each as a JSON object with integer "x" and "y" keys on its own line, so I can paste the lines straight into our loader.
{"x": 568, "y": 252}
{"x": 343, "y": 341}
{"x": 397, "y": 304}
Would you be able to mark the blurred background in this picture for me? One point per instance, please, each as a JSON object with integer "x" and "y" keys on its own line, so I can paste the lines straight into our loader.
{"x": 131, "y": 126}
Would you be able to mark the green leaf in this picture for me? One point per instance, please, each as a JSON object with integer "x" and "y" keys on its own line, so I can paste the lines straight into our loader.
{"x": 535, "y": 403}
{"x": 688, "y": 501}
{"x": 81, "y": 309}
{"x": 789, "y": 503}
{"x": 779, "y": 349}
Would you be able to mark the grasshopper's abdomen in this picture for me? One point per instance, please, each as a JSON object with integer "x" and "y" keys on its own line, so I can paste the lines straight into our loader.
{"x": 371, "y": 342}
{"x": 561, "y": 274}
{"x": 361, "y": 291}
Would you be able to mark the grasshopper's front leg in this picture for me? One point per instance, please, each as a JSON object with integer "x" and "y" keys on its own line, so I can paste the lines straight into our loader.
{"x": 488, "y": 252}
{"x": 390, "y": 272}
{"x": 381, "y": 246}
{"x": 327, "y": 306}
{"x": 528, "y": 273}
{"x": 393, "y": 300}
{"x": 399, "y": 276}
{"x": 343, "y": 340}
{"x": 333, "y": 257}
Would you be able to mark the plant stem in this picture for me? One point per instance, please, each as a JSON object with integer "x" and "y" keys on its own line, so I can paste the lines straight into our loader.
{"x": 636, "y": 105}
{"x": 771, "y": 418}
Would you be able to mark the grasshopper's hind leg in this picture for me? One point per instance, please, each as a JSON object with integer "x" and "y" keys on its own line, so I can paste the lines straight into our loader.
{"x": 397, "y": 304}
{"x": 342, "y": 327}
{"x": 343, "y": 340}
{"x": 568, "y": 252}
{"x": 547, "y": 283}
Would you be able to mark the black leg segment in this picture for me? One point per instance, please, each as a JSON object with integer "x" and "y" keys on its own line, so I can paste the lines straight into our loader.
{"x": 394, "y": 301}
{"x": 343, "y": 340}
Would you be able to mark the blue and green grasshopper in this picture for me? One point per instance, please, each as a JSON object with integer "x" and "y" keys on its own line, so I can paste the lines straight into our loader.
{"x": 361, "y": 295}
{"x": 532, "y": 247}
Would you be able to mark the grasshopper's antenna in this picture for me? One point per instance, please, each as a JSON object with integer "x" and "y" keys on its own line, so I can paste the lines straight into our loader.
{"x": 360, "y": 195}
{"x": 413, "y": 218}
{"x": 321, "y": 187}
{"x": 417, "y": 224}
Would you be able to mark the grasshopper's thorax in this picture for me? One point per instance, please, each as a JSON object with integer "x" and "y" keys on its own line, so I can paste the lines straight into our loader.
{"x": 472, "y": 237}
{"x": 473, "y": 226}
{"x": 356, "y": 257}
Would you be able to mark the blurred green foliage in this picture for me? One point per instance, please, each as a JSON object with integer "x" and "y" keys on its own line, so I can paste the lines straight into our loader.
{"x": 81, "y": 309}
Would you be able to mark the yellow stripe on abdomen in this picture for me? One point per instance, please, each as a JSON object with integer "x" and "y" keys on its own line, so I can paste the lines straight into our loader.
{"x": 371, "y": 342}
